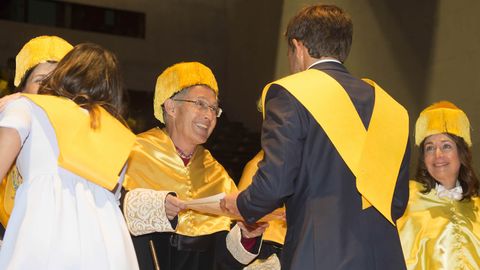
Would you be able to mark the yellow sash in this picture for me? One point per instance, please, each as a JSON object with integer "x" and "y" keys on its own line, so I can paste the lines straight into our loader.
{"x": 373, "y": 156}
{"x": 97, "y": 155}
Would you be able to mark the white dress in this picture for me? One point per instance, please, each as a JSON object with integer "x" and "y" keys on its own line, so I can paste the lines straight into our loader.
{"x": 60, "y": 220}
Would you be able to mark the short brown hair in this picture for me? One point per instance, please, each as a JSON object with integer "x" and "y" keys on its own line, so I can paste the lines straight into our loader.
{"x": 325, "y": 30}
{"x": 466, "y": 176}
{"x": 89, "y": 75}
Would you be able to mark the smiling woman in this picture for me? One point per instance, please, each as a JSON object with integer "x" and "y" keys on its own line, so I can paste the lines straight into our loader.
{"x": 441, "y": 158}
{"x": 442, "y": 212}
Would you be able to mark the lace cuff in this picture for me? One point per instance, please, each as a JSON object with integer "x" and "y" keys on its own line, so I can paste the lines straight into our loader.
{"x": 236, "y": 248}
{"x": 144, "y": 211}
{"x": 271, "y": 263}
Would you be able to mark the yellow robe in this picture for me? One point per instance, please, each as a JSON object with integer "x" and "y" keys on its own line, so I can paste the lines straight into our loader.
{"x": 440, "y": 233}
{"x": 8, "y": 187}
{"x": 155, "y": 164}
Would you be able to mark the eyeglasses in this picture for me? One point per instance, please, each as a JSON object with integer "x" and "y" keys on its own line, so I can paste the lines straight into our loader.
{"x": 431, "y": 149}
{"x": 204, "y": 106}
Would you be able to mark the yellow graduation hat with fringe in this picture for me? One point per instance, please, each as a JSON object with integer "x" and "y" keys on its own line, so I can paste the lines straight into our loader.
{"x": 442, "y": 117}
{"x": 39, "y": 50}
{"x": 178, "y": 77}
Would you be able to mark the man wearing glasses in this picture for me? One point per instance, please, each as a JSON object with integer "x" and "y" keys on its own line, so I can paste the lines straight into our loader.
{"x": 169, "y": 166}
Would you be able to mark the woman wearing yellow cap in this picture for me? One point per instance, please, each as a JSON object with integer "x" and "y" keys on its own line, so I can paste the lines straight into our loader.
{"x": 71, "y": 150}
{"x": 37, "y": 58}
{"x": 441, "y": 226}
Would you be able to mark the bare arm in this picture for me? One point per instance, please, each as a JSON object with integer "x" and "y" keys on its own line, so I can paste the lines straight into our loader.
{"x": 15, "y": 124}
{"x": 9, "y": 149}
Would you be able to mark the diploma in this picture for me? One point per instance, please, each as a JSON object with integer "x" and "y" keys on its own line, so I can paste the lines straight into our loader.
{"x": 211, "y": 205}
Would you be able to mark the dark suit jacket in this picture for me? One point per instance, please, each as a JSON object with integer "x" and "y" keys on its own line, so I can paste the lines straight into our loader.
{"x": 327, "y": 228}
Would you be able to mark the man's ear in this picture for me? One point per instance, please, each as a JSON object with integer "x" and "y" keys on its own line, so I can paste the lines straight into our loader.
{"x": 169, "y": 107}
{"x": 299, "y": 48}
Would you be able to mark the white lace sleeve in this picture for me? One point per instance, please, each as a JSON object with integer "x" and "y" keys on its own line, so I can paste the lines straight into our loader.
{"x": 144, "y": 211}
{"x": 271, "y": 263}
{"x": 17, "y": 115}
{"x": 234, "y": 245}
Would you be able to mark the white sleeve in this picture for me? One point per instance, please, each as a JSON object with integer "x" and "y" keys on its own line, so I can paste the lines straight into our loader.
{"x": 121, "y": 178}
{"x": 144, "y": 211}
{"x": 234, "y": 245}
{"x": 17, "y": 115}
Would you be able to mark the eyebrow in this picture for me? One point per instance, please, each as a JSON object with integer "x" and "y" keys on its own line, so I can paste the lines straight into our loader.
{"x": 204, "y": 99}
{"x": 39, "y": 75}
{"x": 442, "y": 141}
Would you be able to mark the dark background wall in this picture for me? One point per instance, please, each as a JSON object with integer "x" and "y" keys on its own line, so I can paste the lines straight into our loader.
{"x": 419, "y": 51}
{"x": 237, "y": 39}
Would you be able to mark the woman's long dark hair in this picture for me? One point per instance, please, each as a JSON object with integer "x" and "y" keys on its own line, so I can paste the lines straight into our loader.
{"x": 466, "y": 176}
{"x": 89, "y": 75}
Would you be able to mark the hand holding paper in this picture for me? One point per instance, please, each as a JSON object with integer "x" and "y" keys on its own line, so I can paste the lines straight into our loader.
{"x": 226, "y": 205}
{"x": 173, "y": 205}
{"x": 229, "y": 204}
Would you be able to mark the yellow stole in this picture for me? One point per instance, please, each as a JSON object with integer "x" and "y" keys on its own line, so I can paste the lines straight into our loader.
{"x": 155, "y": 164}
{"x": 97, "y": 155}
{"x": 375, "y": 155}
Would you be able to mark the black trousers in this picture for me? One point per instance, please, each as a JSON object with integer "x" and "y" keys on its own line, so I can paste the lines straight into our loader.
{"x": 176, "y": 252}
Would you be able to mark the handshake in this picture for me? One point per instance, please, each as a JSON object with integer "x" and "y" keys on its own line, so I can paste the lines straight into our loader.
{"x": 221, "y": 205}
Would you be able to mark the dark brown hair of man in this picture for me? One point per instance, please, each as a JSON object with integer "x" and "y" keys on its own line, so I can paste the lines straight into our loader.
{"x": 325, "y": 30}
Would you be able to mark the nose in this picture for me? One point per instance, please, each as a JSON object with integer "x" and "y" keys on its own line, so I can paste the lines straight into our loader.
{"x": 438, "y": 152}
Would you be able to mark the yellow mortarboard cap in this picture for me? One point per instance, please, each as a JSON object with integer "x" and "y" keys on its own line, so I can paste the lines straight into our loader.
{"x": 442, "y": 117}
{"x": 179, "y": 77}
{"x": 39, "y": 50}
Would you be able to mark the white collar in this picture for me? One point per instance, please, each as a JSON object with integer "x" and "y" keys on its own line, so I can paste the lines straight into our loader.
{"x": 323, "y": 61}
{"x": 455, "y": 193}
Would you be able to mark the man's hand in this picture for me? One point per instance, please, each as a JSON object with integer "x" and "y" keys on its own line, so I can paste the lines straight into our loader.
{"x": 173, "y": 205}
{"x": 4, "y": 100}
{"x": 252, "y": 231}
{"x": 229, "y": 204}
